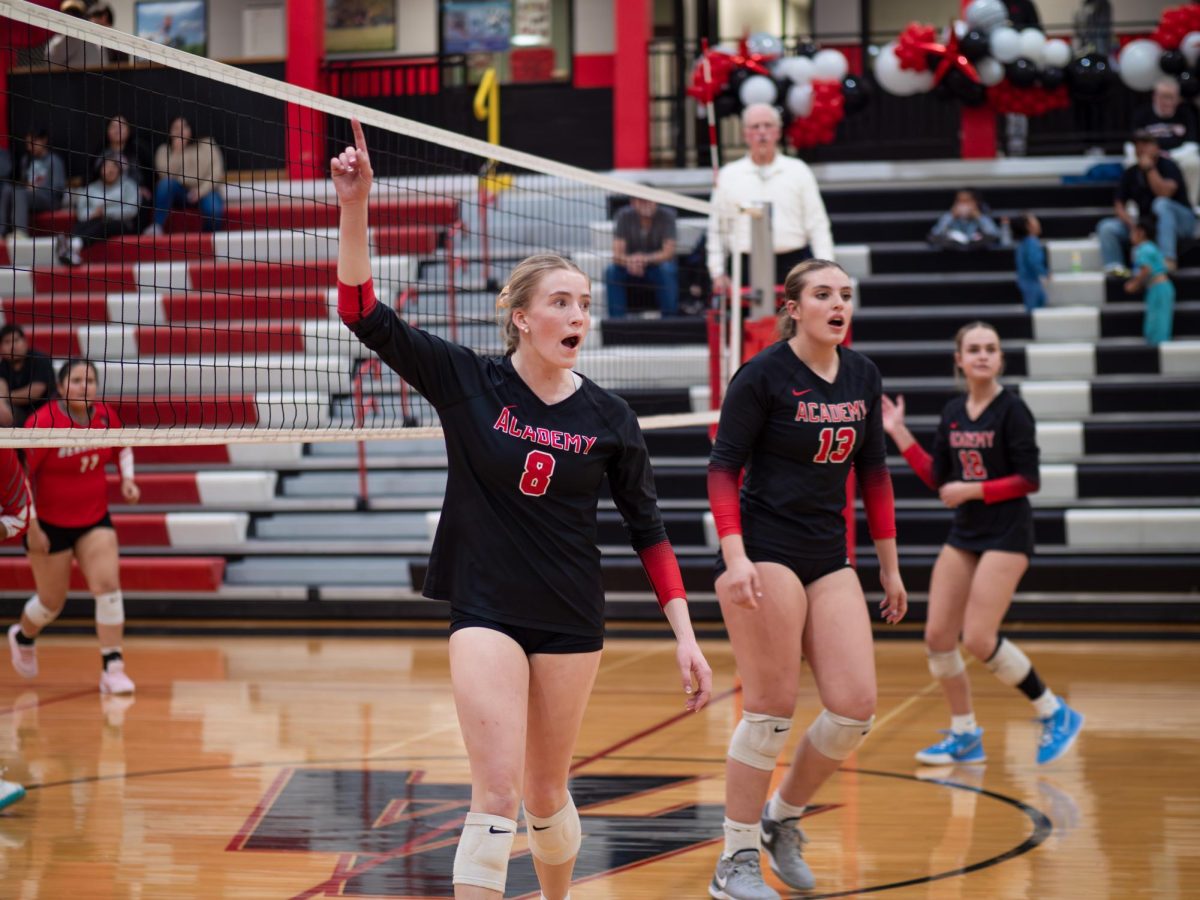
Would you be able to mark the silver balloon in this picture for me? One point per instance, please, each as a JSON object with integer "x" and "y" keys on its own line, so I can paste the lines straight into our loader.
{"x": 799, "y": 69}
{"x": 800, "y": 100}
{"x": 991, "y": 71}
{"x": 896, "y": 80}
{"x": 1057, "y": 53}
{"x": 984, "y": 15}
{"x": 1005, "y": 44}
{"x": 757, "y": 89}
{"x": 1139, "y": 64}
{"x": 764, "y": 44}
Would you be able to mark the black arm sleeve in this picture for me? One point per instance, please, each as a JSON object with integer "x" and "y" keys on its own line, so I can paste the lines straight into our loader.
{"x": 943, "y": 464}
{"x": 743, "y": 414}
{"x": 631, "y": 480}
{"x": 1020, "y": 435}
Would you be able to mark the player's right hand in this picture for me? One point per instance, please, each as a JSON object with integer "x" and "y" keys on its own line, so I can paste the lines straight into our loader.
{"x": 893, "y": 412}
{"x": 351, "y": 171}
{"x": 739, "y": 582}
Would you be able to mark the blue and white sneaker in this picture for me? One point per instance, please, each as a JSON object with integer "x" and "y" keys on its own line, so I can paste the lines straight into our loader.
{"x": 954, "y": 748}
{"x": 1058, "y": 733}
{"x": 10, "y": 793}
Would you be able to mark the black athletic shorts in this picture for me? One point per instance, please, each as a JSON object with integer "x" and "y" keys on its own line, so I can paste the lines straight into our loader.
{"x": 1017, "y": 538}
{"x": 531, "y": 640}
{"x": 807, "y": 570}
{"x": 64, "y": 537}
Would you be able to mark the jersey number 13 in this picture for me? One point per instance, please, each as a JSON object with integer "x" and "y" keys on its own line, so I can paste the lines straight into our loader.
{"x": 828, "y": 453}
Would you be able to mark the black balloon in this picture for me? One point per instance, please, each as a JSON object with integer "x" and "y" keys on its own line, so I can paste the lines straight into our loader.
{"x": 856, "y": 93}
{"x": 1089, "y": 76}
{"x": 1189, "y": 84}
{"x": 1052, "y": 77}
{"x": 974, "y": 45}
{"x": 1021, "y": 72}
{"x": 807, "y": 48}
{"x": 960, "y": 85}
{"x": 1172, "y": 62}
{"x": 726, "y": 103}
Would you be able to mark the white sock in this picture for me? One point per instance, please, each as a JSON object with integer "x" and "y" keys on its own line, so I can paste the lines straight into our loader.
{"x": 1046, "y": 705}
{"x": 740, "y": 836}
{"x": 962, "y": 724}
{"x": 77, "y": 244}
{"x": 779, "y": 810}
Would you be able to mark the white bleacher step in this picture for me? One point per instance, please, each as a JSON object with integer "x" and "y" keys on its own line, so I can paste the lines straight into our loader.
{"x": 431, "y": 524}
{"x": 275, "y": 454}
{"x": 205, "y": 529}
{"x": 137, "y": 308}
{"x": 198, "y": 375}
{"x": 1179, "y": 358}
{"x": 1076, "y": 289}
{"x": 276, "y": 245}
{"x": 341, "y": 527}
{"x": 15, "y": 282}
{"x": 1145, "y": 528}
{"x": 1072, "y": 323}
{"x": 229, "y": 488}
{"x": 1055, "y": 361}
{"x": 1059, "y": 484}
{"x": 649, "y": 366}
{"x": 31, "y": 252}
{"x": 1058, "y": 399}
{"x": 292, "y": 409}
{"x": 1060, "y": 441}
{"x": 1073, "y": 255}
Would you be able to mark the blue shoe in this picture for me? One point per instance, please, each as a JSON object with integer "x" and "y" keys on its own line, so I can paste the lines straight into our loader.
{"x": 954, "y": 748}
{"x": 10, "y": 793}
{"x": 1058, "y": 733}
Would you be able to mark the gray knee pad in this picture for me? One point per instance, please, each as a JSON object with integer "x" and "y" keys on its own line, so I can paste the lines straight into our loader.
{"x": 110, "y": 609}
{"x": 838, "y": 736}
{"x": 945, "y": 665}
{"x": 555, "y": 839}
{"x": 758, "y": 739}
{"x": 483, "y": 850}
{"x": 38, "y": 613}
{"x": 1008, "y": 663}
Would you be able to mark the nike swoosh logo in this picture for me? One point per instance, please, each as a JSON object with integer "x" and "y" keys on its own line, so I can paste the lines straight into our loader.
{"x": 778, "y": 729}
{"x": 796, "y": 393}
{"x": 535, "y": 828}
{"x": 494, "y": 830}
{"x": 720, "y": 881}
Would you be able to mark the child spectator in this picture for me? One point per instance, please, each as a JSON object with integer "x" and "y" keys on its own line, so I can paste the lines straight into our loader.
{"x": 107, "y": 208}
{"x": 1032, "y": 271}
{"x": 40, "y": 185}
{"x": 1150, "y": 274}
{"x": 965, "y": 226}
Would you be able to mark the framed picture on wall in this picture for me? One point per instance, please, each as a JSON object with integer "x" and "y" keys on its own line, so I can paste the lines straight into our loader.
{"x": 353, "y": 26}
{"x": 476, "y": 26}
{"x": 182, "y": 24}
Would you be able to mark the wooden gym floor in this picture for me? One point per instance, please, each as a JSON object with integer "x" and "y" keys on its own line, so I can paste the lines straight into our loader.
{"x": 252, "y": 767}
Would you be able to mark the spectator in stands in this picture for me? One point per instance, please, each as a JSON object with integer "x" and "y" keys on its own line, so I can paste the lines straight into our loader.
{"x": 40, "y": 186}
{"x": 73, "y": 526}
{"x": 1150, "y": 275}
{"x": 71, "y": 51}
{"x": 1093, "y": 28}
{"x": 643, "y": 256}
{"x": 1032, "y": 272}
{"x": 26, "y": 377}
{"x": 1155, "y": 185}
{"x": 190, "y": 173}
{"x": 800, "y": 226}
{"x": 965, "y": 226}
{"x": 101, "y": 13}
{"x": 119, "y": 139}
{"x": 107, "y": 208}
{"x": 1173, "y": 124}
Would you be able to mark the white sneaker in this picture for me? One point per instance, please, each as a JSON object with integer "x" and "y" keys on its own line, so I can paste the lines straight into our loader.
{"x": 10, "y": 793}
{"x": 153, "y": 231}
{"x": 113, "y": 680}
{"x": 24, "y": 658}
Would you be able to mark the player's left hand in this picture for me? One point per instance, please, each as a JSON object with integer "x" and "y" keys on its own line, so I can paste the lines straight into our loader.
{"x": 697, "y": 676}
{"x": 955, "y": 493}
{"x": 895, "y": 597}
{"x": 130, "y": 491}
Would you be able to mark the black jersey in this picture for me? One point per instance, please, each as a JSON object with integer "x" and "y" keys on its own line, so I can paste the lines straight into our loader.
{"x": 797, "y": 436}
{"x": 517, "y": 538}
{"x": 1000, "y": 449}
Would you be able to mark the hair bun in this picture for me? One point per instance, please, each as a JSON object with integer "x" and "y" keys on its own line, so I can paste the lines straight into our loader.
{"x": 502, "y": 300}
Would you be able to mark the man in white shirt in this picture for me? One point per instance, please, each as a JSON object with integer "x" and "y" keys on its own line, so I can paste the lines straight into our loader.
{"x": 799, "y": 224}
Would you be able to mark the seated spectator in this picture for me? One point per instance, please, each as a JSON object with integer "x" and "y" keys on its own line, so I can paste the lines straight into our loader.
{"x": 26, "y": 378}
{"x": 190, "y": 173}
{"x": 119, "y": 139}
{"x": 1153, "y": 185}
{"x": 40, "y": 184}
{"x": 1032, "y": 272}
{"x": 100, "y": 13}
{"x": 643, "y": 255}
{"x": 71, "y": 51}
{"x": 1150, "y": 275}
{"x": 965, "y": 226}
{"x": 107, "y": 208}
{"x": 1173, "y": 124}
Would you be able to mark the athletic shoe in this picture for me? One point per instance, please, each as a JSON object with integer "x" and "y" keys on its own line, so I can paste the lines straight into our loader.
{"x": 783, "y": 842}
{"x": 953, "y": 749}
{"x": 1058, "y": 733}
{"x": 739, "y": 877}
{"x": 24, "y": 657}
{"x": 153, "y": 230}
{"x": 1116, "y": 270}
{"x": 10, "y": 793}
{"x": 113, "y": 680}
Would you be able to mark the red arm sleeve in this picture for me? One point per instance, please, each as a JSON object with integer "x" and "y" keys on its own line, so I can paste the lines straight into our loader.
{"x": 997, "y": 490}
{"x": 663, "y": 569}
{"x": 356, "y": 300}
{"x": 922, "y": 464}
{"x": 880, "y": 503}
{"x": 723, "y": 497}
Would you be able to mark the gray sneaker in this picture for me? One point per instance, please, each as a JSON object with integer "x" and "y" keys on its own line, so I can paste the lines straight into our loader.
{"x": 739, "y": 877}
{"x": 783, "y": 842}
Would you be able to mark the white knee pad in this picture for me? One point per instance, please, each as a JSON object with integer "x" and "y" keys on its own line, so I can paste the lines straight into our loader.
{"x": 37, "y": 613}
{"x": 555, "y": 839}
{"x": 758, "y": 739}
{"x": 483, "y": 850}
{"x": 946, "y": 665}
{"x": 110, "y": 609}
{"x": 837, "y": 736}
{"x": 1008, "y": 663}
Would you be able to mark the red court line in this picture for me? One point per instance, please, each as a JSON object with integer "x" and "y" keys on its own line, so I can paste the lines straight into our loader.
{"x": 264, "y": 804}
{"x": 40, "y": 703}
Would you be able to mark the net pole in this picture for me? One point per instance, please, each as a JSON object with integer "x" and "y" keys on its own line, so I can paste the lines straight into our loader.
{"x": 713, "y": 149}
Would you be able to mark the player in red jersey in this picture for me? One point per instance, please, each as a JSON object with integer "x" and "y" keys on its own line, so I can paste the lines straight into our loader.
{"x": 984, "y": 465}
{"x": 797, "y": 416}
{"x": 529, "y": 444}
{"x": 72, "y": 524}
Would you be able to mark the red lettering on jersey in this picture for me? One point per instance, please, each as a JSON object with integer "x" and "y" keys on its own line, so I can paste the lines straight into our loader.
{"x": 506, "y": 423}
{"x": 972, "y": 439}
{"x": 572, "y": 443}
{"x": 543, "y": 436}
{"x": 535, "y": 478}
{"x": 852, "y": 411}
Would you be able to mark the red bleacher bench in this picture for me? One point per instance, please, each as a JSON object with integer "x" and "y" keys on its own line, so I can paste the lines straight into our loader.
{"x": 160, "y": 573}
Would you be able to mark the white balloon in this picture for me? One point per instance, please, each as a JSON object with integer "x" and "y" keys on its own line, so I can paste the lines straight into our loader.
{"x": 960, "y": 28}
{"x": 799, "y": 69}
{"x": 830, "y": 65}
{"x": 1190, "y": 47}
{"x": 984, "y": 15}
{"x": 800, "y": 99}
{"x": 1139, "y": 64}
{"x": 898, "y": 81}
{"x": 1057, "y": 53}
{"x": 764, "y": 43}
{"x": 757, "y": 89}
{"x": 990, "y": 71}
{"x": 1033, "y": 43}
{"x": 1005, "y": 44}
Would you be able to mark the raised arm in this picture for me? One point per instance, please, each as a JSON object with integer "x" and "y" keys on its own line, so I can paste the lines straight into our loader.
{"x": 914, "y": 454}
{"x": 352, "y": 175}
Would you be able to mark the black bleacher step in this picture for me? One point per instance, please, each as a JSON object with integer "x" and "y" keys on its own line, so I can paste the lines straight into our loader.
{"x": 1141, "y": 437}
{"x": 656, "y": 332}
{"x": 678, "y": 442}
{"x": 875, "y": 228}
{"x": 939, "y": 199}
{"x": 1126, "y": 319}
{"x": 1125, "y": 360}
{"x": 933, "y": 324}
{"x": 929, "y": 527}
{"x": 938, "y": 290}
{"x": 919, "y": 257}
{"x": 657, "y": 401}
{"x": 921, "y": 362}
{"x": 685, "y": 529}
{"x": 1146, "y": 396}
{"x": 1187, "y": 286}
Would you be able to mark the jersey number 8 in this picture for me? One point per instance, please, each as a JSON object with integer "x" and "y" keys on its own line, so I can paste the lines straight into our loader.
{"x": 845, "y": 444}
{"x": 539, "y": 466}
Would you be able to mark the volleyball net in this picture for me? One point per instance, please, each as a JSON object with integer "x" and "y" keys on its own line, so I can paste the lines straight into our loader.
{"x": 171, "y": 220}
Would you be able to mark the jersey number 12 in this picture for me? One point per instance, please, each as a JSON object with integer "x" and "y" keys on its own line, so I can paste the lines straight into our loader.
{"x": 539, "y": 466}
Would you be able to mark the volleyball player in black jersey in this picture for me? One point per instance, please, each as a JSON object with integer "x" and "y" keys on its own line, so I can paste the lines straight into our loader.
{"x": 984, "y": 465}
{"x": 529, "y": 443}
{"x": 797, "y": 416}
